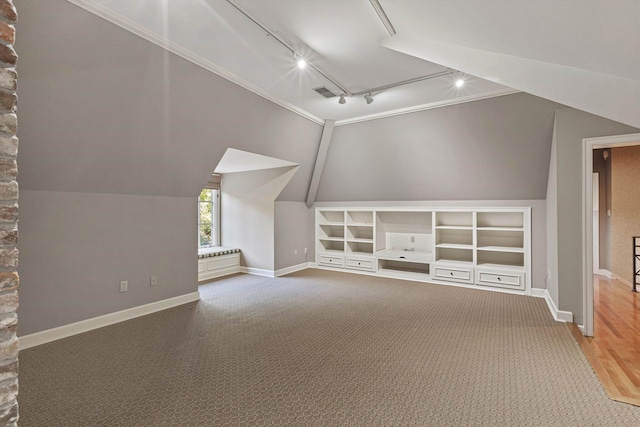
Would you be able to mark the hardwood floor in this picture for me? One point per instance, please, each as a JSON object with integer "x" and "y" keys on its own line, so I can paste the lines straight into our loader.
{"x": 614, "y": 350}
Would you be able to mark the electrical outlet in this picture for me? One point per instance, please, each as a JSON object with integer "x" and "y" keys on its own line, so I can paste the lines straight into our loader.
{"x": 306, "y": 251}
{"x": 295, "y": 252}
{"x": 153, "y": 281}
{"x": 124, "y": 286}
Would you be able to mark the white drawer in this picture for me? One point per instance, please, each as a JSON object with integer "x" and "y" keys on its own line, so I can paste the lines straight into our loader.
{"x": 360, "y": 264}
{"x": 453, "y": 273}
{"x": 332, "y": 260}
{"x": 500, "y": 279}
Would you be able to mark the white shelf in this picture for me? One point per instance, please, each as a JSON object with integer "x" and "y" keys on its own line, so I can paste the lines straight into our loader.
{"x": 332, "y": 239}
{"x": 454, "y": 262}
{"x": 339, "y": 224}
{"x": 453, "y": 246}
{"x": 507, "y": 267}
{"x": 500, "y": 229}
{"x": 360, "y": 240}
{"x": 501, "y": 249}
{"x": 454, "y": 227}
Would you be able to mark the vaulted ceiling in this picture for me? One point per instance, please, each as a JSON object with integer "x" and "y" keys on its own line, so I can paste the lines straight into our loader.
{"x": 582, "y": 54}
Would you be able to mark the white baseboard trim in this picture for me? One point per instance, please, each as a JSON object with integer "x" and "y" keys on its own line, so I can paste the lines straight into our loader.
{"x": 538, "y": 292}
{"x": 257, "y": 271}
{"x": 605, "y": 273}
{"x": 292, "y": 269}
{"x": 620, "y": 279}
{"x": 582, "y": 329}
{"x": 65, "y": 331}
{"x": 558, "y": 315}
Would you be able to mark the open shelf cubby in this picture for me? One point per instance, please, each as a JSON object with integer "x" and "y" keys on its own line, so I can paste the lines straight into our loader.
{"x": 454, "y": 236}
{"x": 512, "y": 259}
{"x": 454, "y": 254}
{"x": 502, "y": 238}
{"x": 500, "y": 220}
{"x": 360, "y": 247}
{"x": 360, "y": 217}
{"x": 331, "y": 217}
{"x": 360, "y": 232}
{"x": 331, "y": 231}
{"x": 454, "y": 219}
{"x": 332, "y": 245}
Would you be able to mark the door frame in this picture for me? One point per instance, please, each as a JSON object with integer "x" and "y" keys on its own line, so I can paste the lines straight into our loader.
{"x": 590, "y": 144}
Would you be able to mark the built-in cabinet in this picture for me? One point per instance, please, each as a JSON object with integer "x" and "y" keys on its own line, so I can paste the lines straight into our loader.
{"x": 484, "y": 247}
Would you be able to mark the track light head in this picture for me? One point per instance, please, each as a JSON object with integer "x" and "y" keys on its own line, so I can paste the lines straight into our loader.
{"x": 368, "y": 98}
{"x": 342, "y": 100}
{"x": 301, "y": 63}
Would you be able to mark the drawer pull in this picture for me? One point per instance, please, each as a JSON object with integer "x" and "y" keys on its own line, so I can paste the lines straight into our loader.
{"x": 499, "y": 279}
{"x": 451, "y": 273}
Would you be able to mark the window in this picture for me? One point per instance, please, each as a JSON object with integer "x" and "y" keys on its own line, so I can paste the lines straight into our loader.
{"x": 208, "y": 218}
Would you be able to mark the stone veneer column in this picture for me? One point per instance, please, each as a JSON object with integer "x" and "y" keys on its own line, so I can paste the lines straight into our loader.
{"x": 9, "y": 279}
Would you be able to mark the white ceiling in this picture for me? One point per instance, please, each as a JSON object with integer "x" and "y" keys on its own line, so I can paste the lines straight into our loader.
{"x": 581, "y": 53}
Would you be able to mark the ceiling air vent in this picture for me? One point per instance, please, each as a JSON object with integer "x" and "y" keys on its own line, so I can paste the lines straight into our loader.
{"x": 324, "y": 92}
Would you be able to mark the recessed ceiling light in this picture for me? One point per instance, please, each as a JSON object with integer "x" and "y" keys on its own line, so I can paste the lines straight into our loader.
{"x": 459, "y": 83}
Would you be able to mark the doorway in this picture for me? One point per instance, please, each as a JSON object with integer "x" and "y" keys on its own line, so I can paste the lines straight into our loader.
{"x": 589, "y": 145}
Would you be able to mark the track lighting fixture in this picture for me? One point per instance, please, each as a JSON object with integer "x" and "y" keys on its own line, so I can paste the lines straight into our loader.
{"x": 342, "y": 100}
{"x": 459, "y": 82}
{"x": 301, "y": 62}
{"x": 368, "y": 98}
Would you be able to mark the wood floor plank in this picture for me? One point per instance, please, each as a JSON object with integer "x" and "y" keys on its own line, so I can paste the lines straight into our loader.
{"x": 614, "y": 350}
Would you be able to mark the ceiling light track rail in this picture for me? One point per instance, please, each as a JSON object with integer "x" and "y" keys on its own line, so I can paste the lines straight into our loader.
{"x": 383, "y": 17}
{"x": 345, "y": 92}
{"x": 404, "y": 82}
{"x": 284, "y": 43}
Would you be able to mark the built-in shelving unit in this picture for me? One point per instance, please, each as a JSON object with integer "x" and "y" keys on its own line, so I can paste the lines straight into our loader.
{"x": 465, "y": 246}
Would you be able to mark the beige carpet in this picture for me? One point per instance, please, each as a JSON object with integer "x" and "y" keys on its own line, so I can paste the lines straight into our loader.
{"x": 322, "y": 349}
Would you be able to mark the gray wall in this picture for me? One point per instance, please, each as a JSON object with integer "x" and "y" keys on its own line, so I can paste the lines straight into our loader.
{"x": 117, "y": 137}
{"x": 571, "y": 127}
{"x": 294, "y": 230}
{"x": 493, "y": 149}
{"x": 75, "y": 248}
{"x": 105, "y": 111}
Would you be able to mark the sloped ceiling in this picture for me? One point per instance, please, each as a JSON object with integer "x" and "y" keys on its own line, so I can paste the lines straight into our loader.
{"x": 584, "y": 54}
